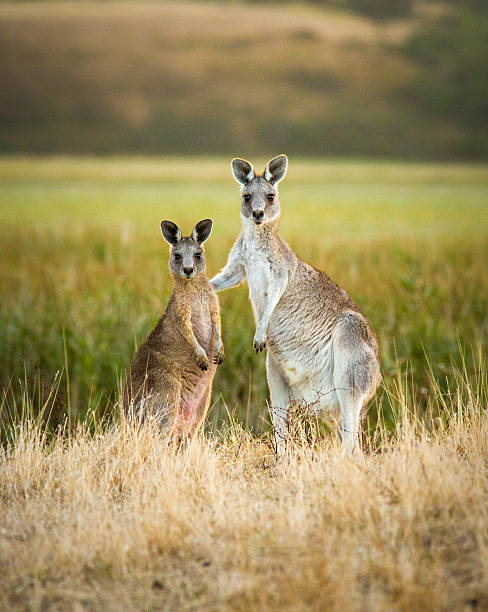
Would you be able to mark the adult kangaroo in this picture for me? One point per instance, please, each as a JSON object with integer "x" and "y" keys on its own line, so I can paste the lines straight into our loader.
{"x": 322, "y": 351}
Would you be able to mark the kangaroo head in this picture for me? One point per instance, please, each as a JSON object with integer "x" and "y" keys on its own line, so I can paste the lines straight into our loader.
{"x": 187, "y": 256}
{"x": 260, "y": 203}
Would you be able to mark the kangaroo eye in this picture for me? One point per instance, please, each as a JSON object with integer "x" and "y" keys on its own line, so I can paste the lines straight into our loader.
{"x": 198, "y": 255}
{"x": 270, "y": 197}
{"x": 247, "y": 197}
{"x": 177, "y": 256}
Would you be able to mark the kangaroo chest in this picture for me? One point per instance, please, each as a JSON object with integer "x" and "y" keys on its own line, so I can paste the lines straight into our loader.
{"x": 259, "y": 276}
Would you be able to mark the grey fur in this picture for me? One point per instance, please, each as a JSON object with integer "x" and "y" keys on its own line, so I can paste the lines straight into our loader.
{"x": 321, "y": 350}
{"x": 187, "y": 257}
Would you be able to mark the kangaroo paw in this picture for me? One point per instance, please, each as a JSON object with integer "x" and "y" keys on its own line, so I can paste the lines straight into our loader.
{"x": 203, "y": 363}
{"x": 219, "y": 357}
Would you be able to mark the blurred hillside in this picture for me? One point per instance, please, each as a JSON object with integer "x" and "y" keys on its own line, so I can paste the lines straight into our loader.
{"x": 341, "y": 78}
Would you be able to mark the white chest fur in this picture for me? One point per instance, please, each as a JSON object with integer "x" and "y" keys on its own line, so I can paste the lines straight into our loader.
{"x": 259, "y": 276}
{"x": 258, "y": 273}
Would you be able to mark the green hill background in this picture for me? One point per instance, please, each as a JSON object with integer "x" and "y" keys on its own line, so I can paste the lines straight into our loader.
{"x": 351, "y": 78}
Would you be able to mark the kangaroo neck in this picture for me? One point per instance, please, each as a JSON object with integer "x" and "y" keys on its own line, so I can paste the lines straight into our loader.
{"x": 265, "y": 234}
{"x": 197, "y": 284}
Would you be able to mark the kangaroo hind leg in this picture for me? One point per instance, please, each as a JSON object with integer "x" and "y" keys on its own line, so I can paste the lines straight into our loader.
{"x": 355, "y": 375}
{"x": 280, "y": 396}
{"x": 159, "y": 406}
{"x": 201, "y": 412}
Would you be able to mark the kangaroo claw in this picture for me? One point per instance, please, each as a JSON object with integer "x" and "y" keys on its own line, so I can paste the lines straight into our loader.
{"x": 203, "y": 363}
{"x": 219, "y": 358}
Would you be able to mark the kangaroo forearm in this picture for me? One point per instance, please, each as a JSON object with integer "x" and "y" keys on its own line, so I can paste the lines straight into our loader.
{"x": 216, "y": 330}
{"x": 227, "y": 279}
{"x": 200, "y": 353}
{"x": 190, "y": 336}
{"x": 263, "y": 323}
{"x": 274, "y": 295}
{"x": 197, "y": 347}
{"x": 219, "y": 347}
{"x": 185, "y": 326}
{"x": 216, "y": 327}
{"x": 233, "y": 272}
{"x": 272, "y": 301}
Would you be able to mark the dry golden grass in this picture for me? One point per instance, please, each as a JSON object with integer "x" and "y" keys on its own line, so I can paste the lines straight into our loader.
{"x": 120, "y": 520}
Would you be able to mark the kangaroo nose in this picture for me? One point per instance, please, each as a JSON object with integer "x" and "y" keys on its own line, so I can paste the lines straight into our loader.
{"x": 188, "y": 270}
{"x": 258, "y": 215}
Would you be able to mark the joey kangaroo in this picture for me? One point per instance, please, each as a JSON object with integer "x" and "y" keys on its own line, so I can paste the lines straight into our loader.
{"x": 321, "y": 350}
{"x": 171, "y": 375}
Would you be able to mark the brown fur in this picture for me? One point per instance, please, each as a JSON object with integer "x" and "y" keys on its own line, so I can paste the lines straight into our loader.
{"x": 170, "y": 380}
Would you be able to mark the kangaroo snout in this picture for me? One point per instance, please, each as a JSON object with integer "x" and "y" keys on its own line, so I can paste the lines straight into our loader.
{"x": 188, "y": 271}
{"x": 258, "y": 216}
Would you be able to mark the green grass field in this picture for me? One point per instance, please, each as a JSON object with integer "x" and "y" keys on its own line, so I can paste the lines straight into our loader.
{"x": 100, "y": 516}
{"x": 84, "y": 267}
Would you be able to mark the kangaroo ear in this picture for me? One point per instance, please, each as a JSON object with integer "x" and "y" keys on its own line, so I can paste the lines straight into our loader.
{"x": 276, "y": 169}
{"x": 242, "y": 170}
{"x": 171, "y": 232}
{"x": 202, "y": 230}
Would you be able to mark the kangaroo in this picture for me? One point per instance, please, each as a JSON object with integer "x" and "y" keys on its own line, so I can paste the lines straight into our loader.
{"x": 322, "y": 351}
{"x": 171, "y": 375}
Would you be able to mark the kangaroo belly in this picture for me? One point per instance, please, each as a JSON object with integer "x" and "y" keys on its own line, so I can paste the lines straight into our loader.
{"x": 309, "y": 371}
{"x": 302, "y": 362}
{"x": 193, "y": 394}
{"x": 302, "y": 347}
